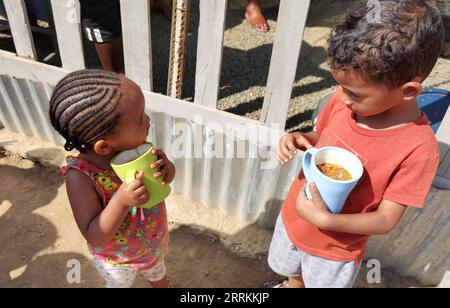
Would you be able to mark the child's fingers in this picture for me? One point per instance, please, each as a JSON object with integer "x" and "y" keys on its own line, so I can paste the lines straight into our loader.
{"x": 286, "y": 154}
{"x": 160, "y": 173}
{"x": 291, "y": 146}
{"x": 158, "y": 164}
{"x": 158, "y": 152}
{"x": 170, "y": 174}
{"x": 140, "y": 190}
{"x": 140, "y": 175}
{"x": 143, "y": 198}
{"x": 136, "y": 183}
{"x": 280, "y": 155}
{"x": 302, "y": 141}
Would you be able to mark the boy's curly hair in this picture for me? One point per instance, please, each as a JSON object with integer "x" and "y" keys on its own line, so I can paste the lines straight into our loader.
{"x": 83, "y": 107}
{"x": 388, "y": 41}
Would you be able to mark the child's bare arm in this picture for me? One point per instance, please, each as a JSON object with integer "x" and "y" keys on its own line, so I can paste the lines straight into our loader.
{"x": 382, "y": 221}
{"x": 99, "y": 226}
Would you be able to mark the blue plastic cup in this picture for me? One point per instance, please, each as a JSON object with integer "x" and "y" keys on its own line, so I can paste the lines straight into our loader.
{"x": 333, "y": 192}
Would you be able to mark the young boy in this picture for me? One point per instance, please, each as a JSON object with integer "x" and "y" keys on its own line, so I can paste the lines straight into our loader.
{"x": 379, "y": 59}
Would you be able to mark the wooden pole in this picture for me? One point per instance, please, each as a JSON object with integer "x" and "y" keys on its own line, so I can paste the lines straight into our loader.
{"x": 180, "y": 29}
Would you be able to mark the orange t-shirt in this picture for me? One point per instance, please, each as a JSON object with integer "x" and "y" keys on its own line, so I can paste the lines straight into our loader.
{"x": 399, "y": 165}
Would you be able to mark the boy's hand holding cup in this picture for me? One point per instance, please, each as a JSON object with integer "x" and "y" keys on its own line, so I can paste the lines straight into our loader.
{"x": 290, "y": 144}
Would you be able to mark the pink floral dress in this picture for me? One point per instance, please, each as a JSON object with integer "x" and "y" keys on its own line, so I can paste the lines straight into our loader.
{"x": 142, "y": 240}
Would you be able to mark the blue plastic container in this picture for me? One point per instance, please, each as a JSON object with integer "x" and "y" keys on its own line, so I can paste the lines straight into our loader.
{"x": 37, "y": 7}
{"x": 434, "y": 103}
{"x": 2, "y": 8}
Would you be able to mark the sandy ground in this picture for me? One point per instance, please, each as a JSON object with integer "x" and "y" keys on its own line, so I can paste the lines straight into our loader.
{"x": 246, "y": 59}
{"x": 40, "y": 237}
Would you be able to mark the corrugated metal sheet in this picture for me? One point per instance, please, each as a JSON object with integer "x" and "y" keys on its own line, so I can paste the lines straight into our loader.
{"x": 236, "y": 185}
{"x": 418, "y": 247}
{"x": 24, "y": 108}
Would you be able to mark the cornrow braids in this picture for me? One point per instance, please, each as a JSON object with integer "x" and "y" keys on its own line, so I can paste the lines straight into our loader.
{"x": 83, "y": 107}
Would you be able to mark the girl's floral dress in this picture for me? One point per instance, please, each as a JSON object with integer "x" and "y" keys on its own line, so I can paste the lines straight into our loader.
{"x": 142, "y": 240}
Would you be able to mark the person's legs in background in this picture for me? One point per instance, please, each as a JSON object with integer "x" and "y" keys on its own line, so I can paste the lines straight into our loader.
{"x": 254, "y": 16}
{"x": 102, "y": 26}
{"x": 111, "y": 55}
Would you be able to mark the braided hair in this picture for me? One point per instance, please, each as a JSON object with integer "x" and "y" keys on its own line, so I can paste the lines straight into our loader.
{"x": 83, "y": 107}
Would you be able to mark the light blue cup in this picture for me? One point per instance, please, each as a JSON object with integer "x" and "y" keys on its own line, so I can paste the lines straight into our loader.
{"x": 333, "y": 192}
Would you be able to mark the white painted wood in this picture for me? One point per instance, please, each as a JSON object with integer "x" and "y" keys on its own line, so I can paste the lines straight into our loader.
{"x": 221, "y": 121}
{"x": 66, "y": 15}
{"x": 187, "y": 110}
{"x": 209, "y": 51}
{"x": 136, "y": 34}
{"x": 283, "y": 65}
{"x": 11, "y": 64}
{"x": 20, "y": 28}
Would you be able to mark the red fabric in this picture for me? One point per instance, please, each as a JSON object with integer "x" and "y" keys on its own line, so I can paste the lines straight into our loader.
{"x": 399, "y": 165}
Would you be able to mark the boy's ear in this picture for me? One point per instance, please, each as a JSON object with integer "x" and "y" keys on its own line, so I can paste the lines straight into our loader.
{"x": 101, "y": 147}
{"x": 411, "y": 90}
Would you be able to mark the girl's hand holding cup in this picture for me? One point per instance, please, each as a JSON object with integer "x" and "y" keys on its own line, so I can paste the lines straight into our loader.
{"x": 165, "y": 166}
{"x": 133, "y": 194}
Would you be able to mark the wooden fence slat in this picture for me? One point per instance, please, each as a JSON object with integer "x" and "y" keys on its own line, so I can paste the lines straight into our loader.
{"x": 136, "y": 29}
{"x": 283, "y": 65}
{"x": 12, "y": 65}
{"x": 18, "y": 67}
{"x": 209, "y": 51}
{"x": 66, "y": 15}
{"x": 20, "y": 28}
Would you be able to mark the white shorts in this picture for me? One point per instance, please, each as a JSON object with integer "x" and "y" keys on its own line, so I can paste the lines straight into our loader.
{"x": 123, "y": 277}
{"x": 288, "y": 260}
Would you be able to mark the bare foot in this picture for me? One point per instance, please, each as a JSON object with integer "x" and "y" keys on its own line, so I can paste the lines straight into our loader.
{"x": 161, "y": 284}
{"x": 254, "y": 16}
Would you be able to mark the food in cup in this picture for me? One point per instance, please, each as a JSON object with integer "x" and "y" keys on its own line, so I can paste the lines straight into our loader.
{"x": 335, "y": 171}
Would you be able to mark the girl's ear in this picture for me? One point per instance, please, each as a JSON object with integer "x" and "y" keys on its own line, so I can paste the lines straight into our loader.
{"x": 101, "y": 147}
{"x": 411, "y": 90}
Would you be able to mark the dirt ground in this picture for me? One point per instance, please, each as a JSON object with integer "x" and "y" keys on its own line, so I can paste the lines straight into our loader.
{"x": 40, "y": 238}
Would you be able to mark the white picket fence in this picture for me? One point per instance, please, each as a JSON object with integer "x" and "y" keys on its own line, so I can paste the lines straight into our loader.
{"x": 245, "y": 188}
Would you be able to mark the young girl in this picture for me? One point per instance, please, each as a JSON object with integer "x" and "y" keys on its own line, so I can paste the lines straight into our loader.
{"x": 100, "y": 114}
